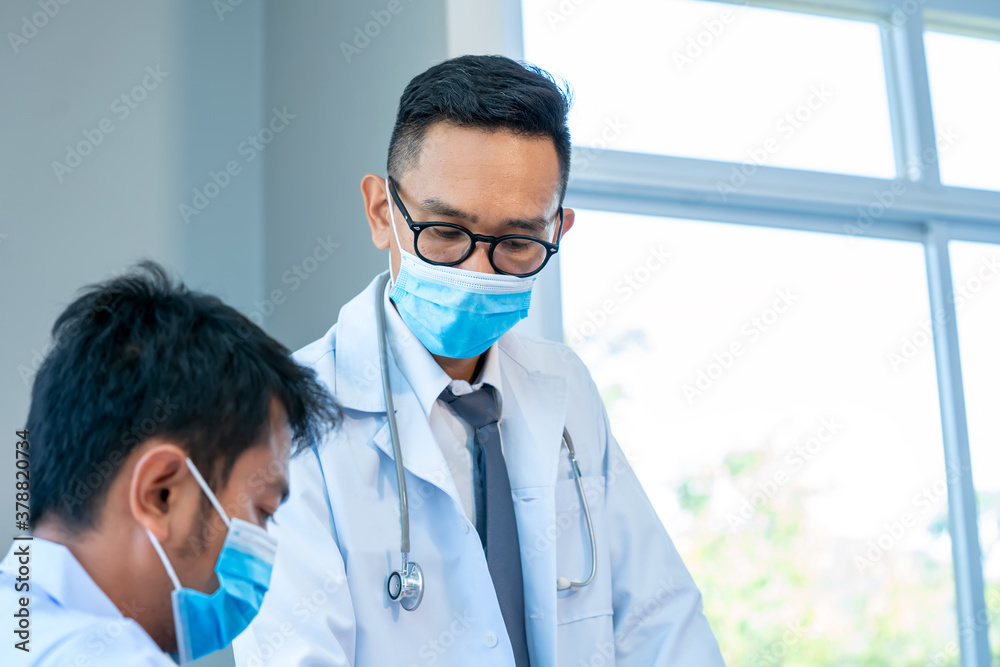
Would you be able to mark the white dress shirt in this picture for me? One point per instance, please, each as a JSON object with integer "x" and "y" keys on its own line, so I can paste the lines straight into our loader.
{"x": 72, "y": 621}
{"x": 427, "y": 379}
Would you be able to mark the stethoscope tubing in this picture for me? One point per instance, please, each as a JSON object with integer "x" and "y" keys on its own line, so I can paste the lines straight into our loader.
{"x": 390, "y": 415}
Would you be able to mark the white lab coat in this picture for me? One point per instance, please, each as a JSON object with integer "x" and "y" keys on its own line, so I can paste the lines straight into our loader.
{"x": 327, "y": 603}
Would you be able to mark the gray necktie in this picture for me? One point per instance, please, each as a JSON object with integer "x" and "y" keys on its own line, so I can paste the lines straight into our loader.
{"x": 495, "y": 512}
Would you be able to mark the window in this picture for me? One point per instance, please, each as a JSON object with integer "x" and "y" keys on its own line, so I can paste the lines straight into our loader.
{"x": 976, "y": 268}
{"x": 791, "y": 451}
{"x": 965, "y": 90}
{"x": 720, "y": 81}
{"x": 692, "y": 229}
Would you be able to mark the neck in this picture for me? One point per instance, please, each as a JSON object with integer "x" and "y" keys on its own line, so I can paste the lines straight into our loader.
{"x": 106, "y": 556}
{"x": 460, "y": 369}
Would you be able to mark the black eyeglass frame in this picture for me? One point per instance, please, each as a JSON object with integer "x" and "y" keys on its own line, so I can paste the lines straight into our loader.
{"x": 494, "y": 241}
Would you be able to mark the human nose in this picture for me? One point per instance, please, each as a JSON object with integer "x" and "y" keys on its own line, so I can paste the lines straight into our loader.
{"x": 479, "y": 259}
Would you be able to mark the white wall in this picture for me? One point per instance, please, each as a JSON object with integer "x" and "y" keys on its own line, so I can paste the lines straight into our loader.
{"x": 121, "y": 204}
{"x": 345, "y": 113}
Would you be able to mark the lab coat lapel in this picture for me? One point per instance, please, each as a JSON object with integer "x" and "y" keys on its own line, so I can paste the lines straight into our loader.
{"x": 534, "y": 407}
{"x": 421, "y": 453}
{"x": 359, "y": 387}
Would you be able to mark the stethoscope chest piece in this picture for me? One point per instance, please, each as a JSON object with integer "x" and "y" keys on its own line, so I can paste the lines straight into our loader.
{"x": 406, "y": 586}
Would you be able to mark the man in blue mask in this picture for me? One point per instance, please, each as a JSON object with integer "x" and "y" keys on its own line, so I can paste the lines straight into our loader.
{"x": 157, "y": 443}
{"x": 475, "y": 508}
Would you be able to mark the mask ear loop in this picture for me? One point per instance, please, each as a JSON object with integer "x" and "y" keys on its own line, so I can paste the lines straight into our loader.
{"x": 395, "y": 233}
{"x": 166, "y": 561}
{"x": 208, "y": 492}
{"x": 392, "y": 214}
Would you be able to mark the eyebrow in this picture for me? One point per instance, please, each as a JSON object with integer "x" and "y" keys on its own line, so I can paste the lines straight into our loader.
{"x": 436, "y": 206}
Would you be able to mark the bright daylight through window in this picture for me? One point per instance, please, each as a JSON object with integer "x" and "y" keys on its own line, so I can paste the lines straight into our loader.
{"x": 778, "y": 384}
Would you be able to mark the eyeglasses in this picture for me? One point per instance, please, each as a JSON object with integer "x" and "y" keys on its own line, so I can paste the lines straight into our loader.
{"x": 446, "y": 244}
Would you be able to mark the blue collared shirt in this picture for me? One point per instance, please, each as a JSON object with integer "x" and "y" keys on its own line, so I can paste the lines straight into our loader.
{"x": 72, "y": 621}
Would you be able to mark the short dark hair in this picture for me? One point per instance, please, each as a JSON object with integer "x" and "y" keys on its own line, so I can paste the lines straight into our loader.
{"x": 139, "y": 356}
{"x": 485, "y": 92}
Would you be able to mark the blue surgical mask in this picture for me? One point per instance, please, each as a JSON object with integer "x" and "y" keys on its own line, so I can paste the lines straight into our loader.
{"x": 455, "y": 313}
{"x": 206, "y": 623}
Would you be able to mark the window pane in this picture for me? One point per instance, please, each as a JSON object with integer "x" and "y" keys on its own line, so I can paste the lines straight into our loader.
{"x": 719, "y": 81}
{"x": 975, "y": 267}
{"x": 964, "y": 75}
{"x": 754, "y": 379}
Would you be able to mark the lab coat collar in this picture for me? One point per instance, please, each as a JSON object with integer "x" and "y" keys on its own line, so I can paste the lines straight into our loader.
{"x": 358, "y": 372}
{"x": 56, "y": 573}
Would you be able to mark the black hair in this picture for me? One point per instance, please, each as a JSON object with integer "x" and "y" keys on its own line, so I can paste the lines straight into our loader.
{"x": 139, "y": 356}
{"x": 485, "y": 92}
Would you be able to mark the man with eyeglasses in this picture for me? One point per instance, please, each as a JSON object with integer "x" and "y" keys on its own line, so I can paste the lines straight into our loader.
{"x": 526, "y": 536}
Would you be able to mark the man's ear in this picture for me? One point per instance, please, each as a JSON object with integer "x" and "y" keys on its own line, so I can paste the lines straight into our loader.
{"x": 569, "y": 215}
{"x": 377, "y": 209}
{"x": 161, "y": 491}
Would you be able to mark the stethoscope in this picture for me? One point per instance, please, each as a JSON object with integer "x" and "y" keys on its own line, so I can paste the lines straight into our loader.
{"x": 406, "y": 585}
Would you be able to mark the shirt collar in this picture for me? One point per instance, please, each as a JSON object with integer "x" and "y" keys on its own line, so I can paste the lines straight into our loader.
{"x": 59, "y": 575}
{"x": 424, "y": 375}
{"x": 490, "y": 375}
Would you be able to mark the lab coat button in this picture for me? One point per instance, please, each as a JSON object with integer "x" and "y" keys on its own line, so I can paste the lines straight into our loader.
{"x": 490, "y": 639}
{"x": 465, "y": 526}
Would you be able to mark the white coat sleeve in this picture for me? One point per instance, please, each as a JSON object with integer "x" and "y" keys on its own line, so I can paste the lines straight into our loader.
{"x": 307, "y": 618}
{"x": 658, "y": 617}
